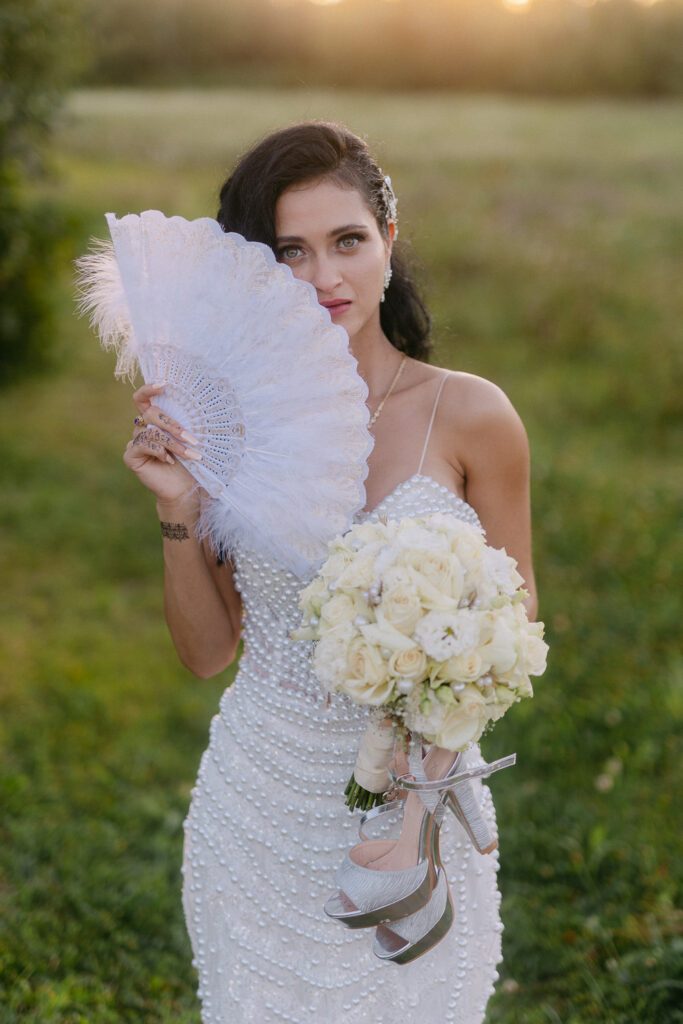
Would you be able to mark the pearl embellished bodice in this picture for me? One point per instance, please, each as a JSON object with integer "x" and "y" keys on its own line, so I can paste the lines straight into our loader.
{"x": 267, "y": 829}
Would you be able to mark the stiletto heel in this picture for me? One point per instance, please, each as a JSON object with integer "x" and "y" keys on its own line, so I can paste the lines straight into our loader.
{"x": 460, "y": 798}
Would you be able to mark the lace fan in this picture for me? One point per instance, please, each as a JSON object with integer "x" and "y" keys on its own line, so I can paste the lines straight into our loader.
{"x": 254, "y": 368}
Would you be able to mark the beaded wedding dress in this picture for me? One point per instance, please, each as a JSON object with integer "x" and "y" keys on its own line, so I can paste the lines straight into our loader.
{"x": 267, "y": 828}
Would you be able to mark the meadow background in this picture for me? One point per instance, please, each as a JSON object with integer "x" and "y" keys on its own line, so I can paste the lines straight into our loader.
{"x": 550, "y": 234}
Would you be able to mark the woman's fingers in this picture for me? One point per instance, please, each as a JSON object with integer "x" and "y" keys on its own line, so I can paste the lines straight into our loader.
{"x": 153, "y": 441}
{"x": 144, "y": 395}
{"x": 153, "y": 415}
{"x": 145, "y": 445}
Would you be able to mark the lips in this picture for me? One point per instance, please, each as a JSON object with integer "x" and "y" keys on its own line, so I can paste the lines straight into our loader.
{"x": 336, "y": 306}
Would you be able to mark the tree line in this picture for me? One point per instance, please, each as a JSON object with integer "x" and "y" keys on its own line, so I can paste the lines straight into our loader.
{"x": 551, "y": 47}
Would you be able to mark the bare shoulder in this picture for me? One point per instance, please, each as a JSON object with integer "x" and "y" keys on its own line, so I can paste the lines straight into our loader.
{"x": 479, "y": 413}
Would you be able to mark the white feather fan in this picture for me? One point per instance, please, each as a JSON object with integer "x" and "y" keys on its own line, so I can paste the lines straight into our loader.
{"x": 253, "y": 367}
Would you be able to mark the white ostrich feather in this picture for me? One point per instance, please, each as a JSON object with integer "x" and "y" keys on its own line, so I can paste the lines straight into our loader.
{"x": 253, "y": 367}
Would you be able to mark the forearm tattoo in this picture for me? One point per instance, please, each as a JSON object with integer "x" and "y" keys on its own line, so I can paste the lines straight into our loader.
{"x": 174, "y": 531}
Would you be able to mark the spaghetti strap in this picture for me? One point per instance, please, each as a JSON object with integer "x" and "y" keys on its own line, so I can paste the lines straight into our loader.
{"x": 431, "y": 422}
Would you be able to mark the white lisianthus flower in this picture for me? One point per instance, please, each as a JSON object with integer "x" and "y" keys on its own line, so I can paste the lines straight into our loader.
{"x": 444, "y": 636}
{"x": 329, "y": 657}
{"x": 423, "y": 716}
{"x": 501, "y": 570}
{"x": 411, "y": 662}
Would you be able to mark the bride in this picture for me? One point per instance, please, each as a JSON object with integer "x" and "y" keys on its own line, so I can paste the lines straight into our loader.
{"x": 266, "y": 827}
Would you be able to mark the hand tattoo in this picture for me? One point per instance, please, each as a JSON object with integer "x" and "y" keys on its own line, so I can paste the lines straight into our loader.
{"x": 174, "y": 531}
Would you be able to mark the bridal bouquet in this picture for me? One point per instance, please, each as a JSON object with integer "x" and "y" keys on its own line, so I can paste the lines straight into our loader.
{"x": 423, "y": 621}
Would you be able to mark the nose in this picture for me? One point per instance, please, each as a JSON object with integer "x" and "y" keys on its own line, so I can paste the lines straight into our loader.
{"x": 326, "y": 275}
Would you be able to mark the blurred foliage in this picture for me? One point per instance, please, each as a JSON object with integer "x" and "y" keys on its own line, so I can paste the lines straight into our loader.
{"x": 559, "y": 47}
{"x": 551, "y": 236}
{"x": 39, "y": 55}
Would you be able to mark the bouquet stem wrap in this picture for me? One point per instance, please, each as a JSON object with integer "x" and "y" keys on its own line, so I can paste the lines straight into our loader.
{"x": 375, "y": 754}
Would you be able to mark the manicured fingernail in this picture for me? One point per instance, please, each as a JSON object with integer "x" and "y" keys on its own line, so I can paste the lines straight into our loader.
{"x": 158, "y": 386}
{"x": 189, "y": 454}
{"x": 190, "y": 438}
{"x": 169, "y": 458}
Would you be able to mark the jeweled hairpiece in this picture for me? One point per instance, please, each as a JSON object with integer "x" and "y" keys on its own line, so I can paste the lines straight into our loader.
{"x": 389, "y": 199}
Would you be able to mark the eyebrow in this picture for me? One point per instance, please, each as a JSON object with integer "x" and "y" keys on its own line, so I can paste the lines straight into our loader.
{"x": 289, "y": 239}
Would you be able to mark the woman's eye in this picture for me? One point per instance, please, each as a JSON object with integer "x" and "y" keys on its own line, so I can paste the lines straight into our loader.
{"x": 289, "y": 252}
{"x": 349, "y": 241}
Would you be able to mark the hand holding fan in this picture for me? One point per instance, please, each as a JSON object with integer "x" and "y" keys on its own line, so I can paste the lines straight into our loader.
{"x": 253, "y": 367}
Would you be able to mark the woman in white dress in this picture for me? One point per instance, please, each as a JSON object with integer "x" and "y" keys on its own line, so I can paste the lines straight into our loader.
{"x": 267, "y": 827}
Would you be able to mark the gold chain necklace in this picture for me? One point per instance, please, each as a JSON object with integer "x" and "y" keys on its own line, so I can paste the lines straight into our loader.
{"x": 375, "y": 415}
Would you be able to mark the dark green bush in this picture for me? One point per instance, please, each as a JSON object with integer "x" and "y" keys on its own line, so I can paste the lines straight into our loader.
{"x": 38, "y": 56}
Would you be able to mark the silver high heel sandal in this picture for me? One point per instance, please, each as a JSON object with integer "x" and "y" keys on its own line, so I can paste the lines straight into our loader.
{"x": 406, "y": 939}
{"x": 369, "y": 896}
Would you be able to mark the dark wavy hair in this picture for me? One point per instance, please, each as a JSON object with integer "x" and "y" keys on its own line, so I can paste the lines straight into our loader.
{"x": 320, "y": 149}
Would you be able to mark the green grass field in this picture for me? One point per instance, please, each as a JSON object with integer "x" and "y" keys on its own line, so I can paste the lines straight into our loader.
{"x": 551, "y": 237}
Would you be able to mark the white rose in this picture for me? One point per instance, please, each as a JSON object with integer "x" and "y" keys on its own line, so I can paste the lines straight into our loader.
{"x": 366, "y": 533}
{"x": 367, "y": 680}
{"x": 383, "y": 634}
{"x": 413, "y": 536}
{"x": 463, "y": 723}
{"x": 335, "y": 565}
{"x": 440, "y": 569}
{"x": 360, "y": 573}
{"x": 313, "y": 596}
{"x": 401, "y": 607}
{"x": 431, "y": 598}
{"x": 365, "y": 662}
{"x": 337, "y": 610}
{"x": 411, "y": 662}
{"x": 464, "y": 668}
{"x": 499, "y": 640}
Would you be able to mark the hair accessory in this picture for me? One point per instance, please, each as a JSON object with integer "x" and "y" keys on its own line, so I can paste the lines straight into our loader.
{"x": 389, "y": 199}
{"x": 140, "y": 421}
{"x": 218, "y": 318}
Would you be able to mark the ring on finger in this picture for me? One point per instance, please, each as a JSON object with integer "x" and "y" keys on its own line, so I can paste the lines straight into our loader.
{"x": 140, "y": 421}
